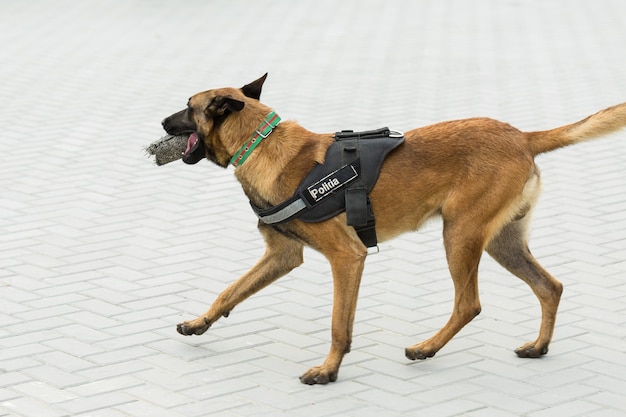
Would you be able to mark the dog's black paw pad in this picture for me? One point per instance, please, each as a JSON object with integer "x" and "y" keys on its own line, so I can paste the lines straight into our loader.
{"x": 531, "y": 352}
{"x": 183, "y": 329}
{"x": 318, "y": 375}
{"x": 416, "y": 354}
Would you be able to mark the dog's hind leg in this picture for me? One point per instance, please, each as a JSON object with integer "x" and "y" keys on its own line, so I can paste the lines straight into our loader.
{"x": 282, "y": 254}
{"x": 464, "y": 247}
{"x": 510, "y": 249}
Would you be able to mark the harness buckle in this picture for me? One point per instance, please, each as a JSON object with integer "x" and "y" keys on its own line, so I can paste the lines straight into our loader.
{"x": 373, "y": 250}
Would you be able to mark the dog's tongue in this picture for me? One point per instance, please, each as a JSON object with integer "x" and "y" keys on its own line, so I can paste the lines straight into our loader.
{"x": 191, "y": 142}
{"x": 195, "y": 151}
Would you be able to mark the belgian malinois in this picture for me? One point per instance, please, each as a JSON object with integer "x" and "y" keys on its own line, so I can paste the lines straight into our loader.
{"x": 477, "y": 174}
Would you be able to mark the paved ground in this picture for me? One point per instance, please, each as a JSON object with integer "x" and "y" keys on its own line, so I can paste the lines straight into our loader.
{"x": 102, "y": 252}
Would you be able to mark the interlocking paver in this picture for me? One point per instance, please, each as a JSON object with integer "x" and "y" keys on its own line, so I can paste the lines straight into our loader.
{"x": 102, "y": 253}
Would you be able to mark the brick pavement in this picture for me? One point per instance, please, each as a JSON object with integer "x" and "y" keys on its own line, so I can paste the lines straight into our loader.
{"x": 102, "y": 253}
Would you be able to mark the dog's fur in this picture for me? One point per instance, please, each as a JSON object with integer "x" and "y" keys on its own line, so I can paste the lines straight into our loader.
{"x": 477, "y": 174}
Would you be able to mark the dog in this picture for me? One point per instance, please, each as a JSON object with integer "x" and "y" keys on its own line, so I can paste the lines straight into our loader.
{"x": 477, "y": 174}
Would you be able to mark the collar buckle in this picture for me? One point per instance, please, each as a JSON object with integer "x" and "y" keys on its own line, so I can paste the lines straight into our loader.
{"x": 265, "y": 126}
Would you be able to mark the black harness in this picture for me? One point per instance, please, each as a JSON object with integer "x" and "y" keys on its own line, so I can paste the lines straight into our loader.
{"x": 342, "y": 183}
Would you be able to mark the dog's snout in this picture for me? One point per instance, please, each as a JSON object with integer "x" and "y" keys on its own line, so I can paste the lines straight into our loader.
{"x": 165, "y": 123}
{"x": 178, "y": 123}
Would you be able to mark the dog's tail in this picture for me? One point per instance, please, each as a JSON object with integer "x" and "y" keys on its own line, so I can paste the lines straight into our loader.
{"x": 602, "y": 123}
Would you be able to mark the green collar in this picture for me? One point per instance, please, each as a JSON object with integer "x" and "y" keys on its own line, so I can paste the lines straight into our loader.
{"x": 264, "y": 130}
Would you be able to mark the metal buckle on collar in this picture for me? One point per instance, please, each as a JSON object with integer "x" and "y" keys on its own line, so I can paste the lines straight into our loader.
{"x": 265, "y": 124}
{"x": 271, "y": 121}
{"x": 395, "y": 134}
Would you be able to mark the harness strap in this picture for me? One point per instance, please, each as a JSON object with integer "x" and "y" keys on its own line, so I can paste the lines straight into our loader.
{"x": 290, "y": 209}
{"x": 367, "y": 231}
{"x": 309, "y": 197}
{"x": 282, "y": 212}
{"x": 359, "y": 213}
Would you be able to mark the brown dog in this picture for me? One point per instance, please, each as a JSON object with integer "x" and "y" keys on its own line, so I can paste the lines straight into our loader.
{"x": 477, "y": 174}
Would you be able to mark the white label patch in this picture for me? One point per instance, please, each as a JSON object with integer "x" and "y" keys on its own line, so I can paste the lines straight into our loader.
{"x": 327, "y": 185}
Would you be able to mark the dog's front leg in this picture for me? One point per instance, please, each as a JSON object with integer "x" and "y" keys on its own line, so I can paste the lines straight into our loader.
{"x": 282, "y": 254}
{"x": 347, "y": 267}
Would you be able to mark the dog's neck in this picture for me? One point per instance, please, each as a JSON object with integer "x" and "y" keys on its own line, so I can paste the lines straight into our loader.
{"x": 290, "y": 149}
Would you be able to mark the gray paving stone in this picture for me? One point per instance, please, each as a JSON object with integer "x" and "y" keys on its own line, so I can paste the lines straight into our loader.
{"x": 567, "y": 393}
{"x": 44, "y": 392}
{"x": 8, "y": 379}
{"x": 31, "y": 407}
{"x": 97, "y": 402}
{"x": 56, "y": 376}
{"x": 606, "y": 413}
{"x": 573, "y": 408}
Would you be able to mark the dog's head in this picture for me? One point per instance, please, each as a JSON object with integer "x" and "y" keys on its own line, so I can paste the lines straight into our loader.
{"x": 218, "y": 122}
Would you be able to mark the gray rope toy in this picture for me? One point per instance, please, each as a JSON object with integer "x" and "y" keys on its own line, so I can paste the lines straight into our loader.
{"x": 167, "y": 149}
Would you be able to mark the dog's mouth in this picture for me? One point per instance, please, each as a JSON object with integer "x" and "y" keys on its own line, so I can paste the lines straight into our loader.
{"x": 195, "y": 149}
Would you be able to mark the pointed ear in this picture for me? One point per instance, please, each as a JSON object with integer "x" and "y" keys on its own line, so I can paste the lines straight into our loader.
{"x": 221, "y": 105}
{"x": 253, "y": 90}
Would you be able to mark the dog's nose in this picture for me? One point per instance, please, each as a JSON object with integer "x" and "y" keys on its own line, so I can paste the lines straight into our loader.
{"x": 165, "y": 123}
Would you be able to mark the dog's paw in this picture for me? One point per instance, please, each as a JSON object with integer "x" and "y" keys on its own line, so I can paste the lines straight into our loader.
{"x": 318, "y": 375}
{"x": 531, "y": 350}
{"x": 415, "y": 353}
{"x": 197, "y": 327}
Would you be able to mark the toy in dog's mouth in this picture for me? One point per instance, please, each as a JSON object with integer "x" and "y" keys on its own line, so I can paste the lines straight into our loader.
{"x": 173, "y": 147}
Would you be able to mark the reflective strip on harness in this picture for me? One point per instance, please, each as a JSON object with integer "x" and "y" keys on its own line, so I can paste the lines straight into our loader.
{"x": 285, "y": 213}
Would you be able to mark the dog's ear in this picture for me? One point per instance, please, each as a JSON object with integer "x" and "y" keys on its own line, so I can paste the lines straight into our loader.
{"x": 253, "y": 90}
{"x": 220, "y": 105}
